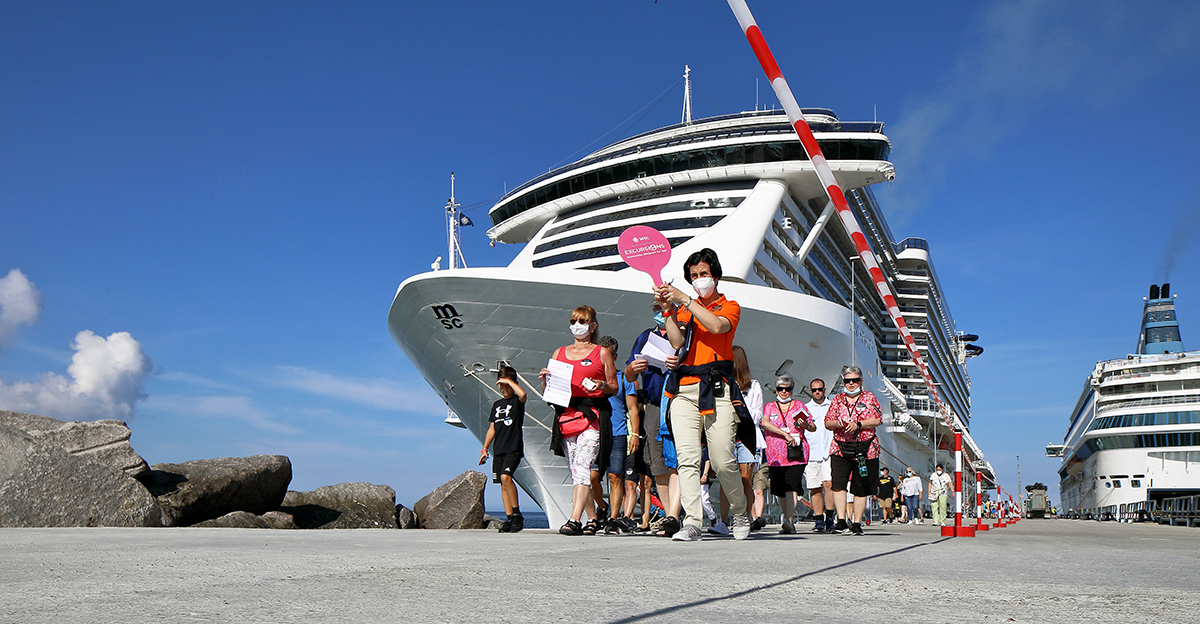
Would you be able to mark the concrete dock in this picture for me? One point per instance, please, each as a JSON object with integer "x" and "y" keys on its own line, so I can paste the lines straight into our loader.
{"x": 1031, "y": 571}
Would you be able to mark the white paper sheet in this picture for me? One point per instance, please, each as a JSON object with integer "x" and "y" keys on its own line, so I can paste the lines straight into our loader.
{"x": 656, "y": 351}
{"x": 558, "y": 383}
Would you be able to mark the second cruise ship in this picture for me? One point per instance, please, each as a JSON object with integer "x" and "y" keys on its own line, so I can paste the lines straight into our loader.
{"x": 1134, "y": 435}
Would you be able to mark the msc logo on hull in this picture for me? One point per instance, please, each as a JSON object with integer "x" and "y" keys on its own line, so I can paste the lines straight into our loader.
{"x": 449, "y": 317}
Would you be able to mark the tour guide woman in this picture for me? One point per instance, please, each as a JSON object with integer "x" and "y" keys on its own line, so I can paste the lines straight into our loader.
{"x": 854, "y": 455}
{"x": 579, "y": 428}
{"x": 704, "y": 396}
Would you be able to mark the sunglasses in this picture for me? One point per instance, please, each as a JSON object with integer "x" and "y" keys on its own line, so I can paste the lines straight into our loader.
{"x": 817, "y": 389}
{"x": 853, "y": 380}
{"x": 783, "y": 389}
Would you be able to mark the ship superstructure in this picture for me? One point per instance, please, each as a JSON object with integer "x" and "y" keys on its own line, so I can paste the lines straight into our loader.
{"x": 743, "y": 186}
{"x": 1134, "y": 434}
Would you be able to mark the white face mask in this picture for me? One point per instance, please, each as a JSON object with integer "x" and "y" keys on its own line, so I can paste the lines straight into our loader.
{"x": 581, "y": 330}
{"x": 785, "y": 399}
{"x": 704, "y": 285}
{"x": 855, "y": 392}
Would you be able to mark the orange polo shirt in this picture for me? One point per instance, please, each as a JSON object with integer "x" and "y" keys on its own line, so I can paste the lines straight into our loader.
{"x": 706, "y": 346}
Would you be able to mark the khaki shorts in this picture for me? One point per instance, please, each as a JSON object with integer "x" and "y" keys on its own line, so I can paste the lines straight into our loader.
{"x": 761, "y": 479}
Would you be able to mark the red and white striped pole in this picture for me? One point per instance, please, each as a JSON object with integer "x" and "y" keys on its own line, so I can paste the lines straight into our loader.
{"x": 832, "y": 190}
{"x": 999, "y": 508}
{"x": 979, "y": 525}
{"x": 958, "y": 530}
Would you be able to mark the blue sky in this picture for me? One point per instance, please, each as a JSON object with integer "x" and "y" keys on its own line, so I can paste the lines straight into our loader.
{"x": 205, "y": 210}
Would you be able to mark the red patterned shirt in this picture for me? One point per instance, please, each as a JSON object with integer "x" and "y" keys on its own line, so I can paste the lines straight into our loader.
{"x": 866, "y": 408}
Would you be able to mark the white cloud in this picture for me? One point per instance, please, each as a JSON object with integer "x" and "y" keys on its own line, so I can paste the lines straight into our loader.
{"x": 377, "y": 393}
{"x": 106, "y": 381}
{"x": 20, "y": 304}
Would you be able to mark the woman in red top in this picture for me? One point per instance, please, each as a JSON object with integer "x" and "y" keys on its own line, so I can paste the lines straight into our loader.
{"x": 854, "y": 453}
{"x": 593, "y": 377}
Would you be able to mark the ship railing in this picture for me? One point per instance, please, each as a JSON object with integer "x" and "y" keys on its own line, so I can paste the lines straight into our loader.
{"x": 1134, "y": 512}
{"x": 1167, "y": 400}
{"x": 1177, "y": 511}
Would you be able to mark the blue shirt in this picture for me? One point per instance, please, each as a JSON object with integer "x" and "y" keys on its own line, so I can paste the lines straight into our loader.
{"x": 619, "y": 413}
{"x": 652, "y": 378}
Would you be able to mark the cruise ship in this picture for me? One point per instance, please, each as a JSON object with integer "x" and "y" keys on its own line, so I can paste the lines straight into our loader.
{"x": 1134, "y": 434}
{"x": 742, "y": 185}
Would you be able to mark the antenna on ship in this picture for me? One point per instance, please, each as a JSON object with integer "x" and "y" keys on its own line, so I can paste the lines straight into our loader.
{"x": 687, "y": 96}
{"x": 454, "y": 220}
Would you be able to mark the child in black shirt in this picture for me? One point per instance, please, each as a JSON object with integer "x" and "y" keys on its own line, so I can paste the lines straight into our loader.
{"x": 507, "y": 418}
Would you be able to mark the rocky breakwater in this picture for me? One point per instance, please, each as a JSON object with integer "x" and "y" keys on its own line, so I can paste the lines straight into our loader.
{"x": 55, "y": 473}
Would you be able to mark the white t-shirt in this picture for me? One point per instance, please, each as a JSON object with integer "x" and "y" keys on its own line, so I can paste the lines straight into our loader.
{"x": 820, "y": 440}
{"x": 911, "y": 486}
{"x": 754, "y": 403}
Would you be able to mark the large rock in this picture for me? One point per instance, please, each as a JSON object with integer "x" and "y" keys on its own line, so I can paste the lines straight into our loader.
{"x": 42, "y": 485}
{"x": 206, "y": 489}
{"x": 104, "y": 441}
{"x": 456, "y": 504}
{"x": 406, "y": 518}
{"x": 343, "y": 506}
{"x": 247, "y": 520}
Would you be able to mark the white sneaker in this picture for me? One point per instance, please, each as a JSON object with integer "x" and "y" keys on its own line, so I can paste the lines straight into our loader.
{"x": 719, "y": 528}
{"x": 688, "y": 533}
{"x": 741, "y": 527}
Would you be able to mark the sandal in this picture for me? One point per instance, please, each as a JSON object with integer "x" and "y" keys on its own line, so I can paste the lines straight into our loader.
{"x": 591, "y": 527}
{"x": 571, "y": 528}
{"x": 602, "y": 513}
{"x": 670, "y": 527}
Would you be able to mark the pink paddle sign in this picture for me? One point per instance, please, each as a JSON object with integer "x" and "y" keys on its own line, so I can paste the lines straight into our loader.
{"x": 645, "y": 249}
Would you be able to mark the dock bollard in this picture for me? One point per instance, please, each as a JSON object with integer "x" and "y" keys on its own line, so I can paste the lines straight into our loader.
{"x": 958, "y": 530}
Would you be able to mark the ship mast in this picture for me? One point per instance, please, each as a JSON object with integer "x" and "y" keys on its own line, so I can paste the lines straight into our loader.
{"x": 687, "y": 96}
{"x": 453, "y": 221}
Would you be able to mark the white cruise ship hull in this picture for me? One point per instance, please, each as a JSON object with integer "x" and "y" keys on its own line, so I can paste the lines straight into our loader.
{"x": 456, "y": 325}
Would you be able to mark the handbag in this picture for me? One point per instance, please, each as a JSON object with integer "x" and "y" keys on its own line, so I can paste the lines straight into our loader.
{"x": 573, "y": 424}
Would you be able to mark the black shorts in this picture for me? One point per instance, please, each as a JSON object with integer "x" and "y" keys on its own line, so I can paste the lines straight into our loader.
{"x": 846, "y": 470}
{"x": 786, "y": 479}
{"x": 631, "y": 467}
{"x": 504, "y": 463}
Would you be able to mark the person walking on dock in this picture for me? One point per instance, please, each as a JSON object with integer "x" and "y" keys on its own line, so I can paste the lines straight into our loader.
{"x": 911, "y": 489}
{"x": 816, "y": 473}
{"x": 940, "y": 486}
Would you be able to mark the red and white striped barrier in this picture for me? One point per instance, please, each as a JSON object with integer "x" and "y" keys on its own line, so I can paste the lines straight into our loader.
{"x": 979, "y": 524}
{"x": 825, "y": 175}
{"x": 958, "y": 530}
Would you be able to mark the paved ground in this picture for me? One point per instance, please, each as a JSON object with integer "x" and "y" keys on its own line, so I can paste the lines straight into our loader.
{"x": 1033, "y": 571}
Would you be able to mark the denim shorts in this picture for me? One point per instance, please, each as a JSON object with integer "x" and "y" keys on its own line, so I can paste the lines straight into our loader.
{"x": 744, "y": 456}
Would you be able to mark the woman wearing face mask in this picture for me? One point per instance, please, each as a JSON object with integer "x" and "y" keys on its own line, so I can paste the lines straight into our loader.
{"x": 854, "y": 455}
{"x": 940, "y": 487}
{"x": 784, "y": 423}
{"x": 704, "y": 396}
{"x": 911, "y": 489}
{"x": 578, "y": 427}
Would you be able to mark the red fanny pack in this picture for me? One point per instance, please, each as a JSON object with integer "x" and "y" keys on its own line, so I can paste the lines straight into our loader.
{"x": 573, "y": 423}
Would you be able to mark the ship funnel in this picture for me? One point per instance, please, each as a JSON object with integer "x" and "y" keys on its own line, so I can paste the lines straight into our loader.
{"x": 1160, "y": 328}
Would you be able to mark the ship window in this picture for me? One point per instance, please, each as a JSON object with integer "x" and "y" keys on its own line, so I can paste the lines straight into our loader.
{"x": 1116, "y": 484}
{"x": 1107, "y": 484}
{"x": 1135, "y": 483}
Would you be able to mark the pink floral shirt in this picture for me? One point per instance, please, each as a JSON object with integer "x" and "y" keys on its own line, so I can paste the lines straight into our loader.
{"x": 794, "y": 418}
{"x": 841, "y": 411}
